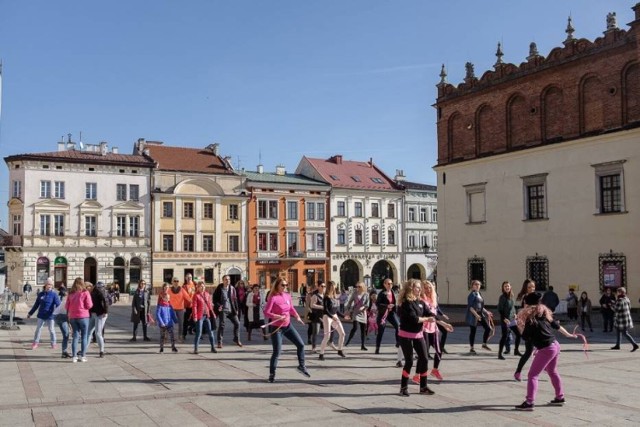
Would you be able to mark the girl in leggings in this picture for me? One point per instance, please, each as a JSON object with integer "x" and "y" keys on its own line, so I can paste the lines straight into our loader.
{"x": 536, "y": 323}
{"x": 477, "y": 315}
{"x": 528, "y": 287}
{"x": 413, "y": 315}
{"x": 431, "y": 330}
{"x": 331, "y": 319}
{"x": 507, "y": 312}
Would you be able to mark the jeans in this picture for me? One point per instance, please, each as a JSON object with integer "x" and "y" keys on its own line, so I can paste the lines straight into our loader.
{"x": 546, "y": 359}
{"x": 203, "y": 324}
{"x": 276, "y": 341}
{"x": 52, "y": 330}
{"x": 180, "y": 316}
{"x": 392, "y": 318}
{"x": 236, "y": 324}
{"x": 627, "y": 335}
{"x": 97, "y": 323}
{"x": 62, "y": 320}
{"x": 80, "y": 330}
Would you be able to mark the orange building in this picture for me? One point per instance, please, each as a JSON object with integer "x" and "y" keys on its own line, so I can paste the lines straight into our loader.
{"x": 287, "y": 228}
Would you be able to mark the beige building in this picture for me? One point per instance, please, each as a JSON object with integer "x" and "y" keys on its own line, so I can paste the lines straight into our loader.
{"x": 199, "y": 214}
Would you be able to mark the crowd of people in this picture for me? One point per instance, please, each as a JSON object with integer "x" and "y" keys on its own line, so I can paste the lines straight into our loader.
{"x": 420, "y": 327}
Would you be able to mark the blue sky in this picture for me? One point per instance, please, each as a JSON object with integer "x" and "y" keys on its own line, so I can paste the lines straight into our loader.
{"x": 264, "y": 78}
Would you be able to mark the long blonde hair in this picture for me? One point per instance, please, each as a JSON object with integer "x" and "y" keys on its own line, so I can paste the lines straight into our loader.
{"x": 433, "y": 299}
{"x": 530, "y": 313}
{"x": 78, "y": 286}
{"x": 331, "y": 289}
{"x": 406, "y": 294}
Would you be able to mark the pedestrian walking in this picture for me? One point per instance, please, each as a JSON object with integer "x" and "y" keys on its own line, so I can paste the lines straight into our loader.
{"x": 536, "y": 323}
{"x": 572, "y": 305}
{"x": 26, "y": 290}
{"x": 61, "y": 319}
{"x": 478, "y": 315}
{"x": 279, "y": 310}
{"x": 99, "y": 313}
{"x": 203, "y": 317}
{"x": 78, "y": 305}
{"x": 357, "y": 307}
{"x": 413, "y": 315}
{"x": 331, "y": 319}
{"x": 386, "y": 304}
{"x": 226, "y": 305}
{"x": 46, "y": 303}
{"x": 607, "y": 303}
{"x": 623, "y": 321}
{"x": 166, "y": 318}
{"x": 528, "y": 287}
{"x": 140, "y": 305}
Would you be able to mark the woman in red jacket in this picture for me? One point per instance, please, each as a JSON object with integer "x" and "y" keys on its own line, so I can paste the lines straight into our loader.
{"x": 202, "y": 314}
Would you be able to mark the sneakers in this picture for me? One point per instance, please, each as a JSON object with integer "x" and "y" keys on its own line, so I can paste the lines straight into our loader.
{"x": 161, "y": 350}
{"x": 507, "y": 351}
{"x": 436, "y": 373}
{"x": 321, "y": 357}
{"x": 404, "y": 391}
{"x": 175, "y": 350}
{"x": 524, "y": 406}
{"x": 83, "y": 359}
{"x": 486, "y": 347}
{"x": 66, "y": 355}
{"x": 303, "y": 371}
{"x": 615, "y": 347}
{"x": 74, "y": 359}
{"x": 147, "y": 339}
{"x": 272, "y": 377}
{"x": 133, "y": 339}
{"x": 472, "y": 351}
{"x": 635, "y": 347}
{"x": 341, "y": 353}
{"x": 399, "y": 364}
{"x": 517, "y": 376}
{"x": 557, "y": 402}
{"x": 517, "y": 353}
{"x": 53, "y": 346}
{"x": 427, "y": 391}
{"x": 213, "y": 350}
{"x": 501, "y": 357}
{"x": 363, "y": 348}
{"x": 219, "y": 345}
{"x": 101, "y": 356}
{"x": 34, "y": 346}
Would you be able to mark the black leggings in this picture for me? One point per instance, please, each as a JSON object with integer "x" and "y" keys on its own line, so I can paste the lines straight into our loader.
{"x": 443, "y": 337}
{"x": 528, "y": 349}
{"x": 363, "y": 328}
{"x": 432, "y": 341}
{"x": 417, "y": 344}
{"x": 485, "y": 336}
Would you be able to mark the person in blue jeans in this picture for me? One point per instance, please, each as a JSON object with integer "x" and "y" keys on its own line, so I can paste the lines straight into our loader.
{"x": 279, "y": 310}
{"x": 203, "y": 317}
{"x": 62, "y": 321}
{"x": 46, "y": 303}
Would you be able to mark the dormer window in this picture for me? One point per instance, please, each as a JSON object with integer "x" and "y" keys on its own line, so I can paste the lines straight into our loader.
{"x": 377, "y": 180}
{"x": 335, "y": 178}
{"x": 355, "y": 178}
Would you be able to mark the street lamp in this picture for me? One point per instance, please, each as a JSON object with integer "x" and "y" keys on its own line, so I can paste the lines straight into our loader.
{"x": 367, "y": 281}
{"x": 425, "y": 249}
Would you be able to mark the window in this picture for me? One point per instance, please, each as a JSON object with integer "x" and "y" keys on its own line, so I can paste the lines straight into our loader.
{"x": 412, "y": 214}
{"x": 316, "y": 241}
{"x": 273, "y": 241}
{"x": 535, "y": 206}
{"x": 358, "y": 209}
{"x": 311, "y": 211}
{"x": 17, "y": 225}
{"x": 335, "y": 178}
{"x": 268, "y": 209}
{"x": 377, "y": 180}
{"x": 424, "y": 241}
{"x": 610, "y": 187}
{"x": 121, "y": 225}
{"x": 268, "y": 241}
{"x": 375, "y": 210}
{"x": 134, "y": 226}
{"x": 434, "y": 215}
{"x": 188, "y": 243}
{"x": 167, "y": 209}
{"x": 90, "y": 225}
{"x": 476, "y": 204}
{"x": 167, "y": 242}
{"x": 292, "y": 210}
{"x": 58, "y": 225}
{"x": 391, "y": 236}
{"x": 45, "y": 225}
{"x": 58, "y": 189}
{"x": 320, "y": 211}
{"x": 207, "y": 243}
{"x": 476, "y": 271}
{"x": 355, "y": 178}
{"x": 412, "y": 241}
{"x": 391, "y": 210}
{"x": 134, "y": 192}
{"x": 423, "y": 214}
{"x": 187, "y": 210}
{"x": 341, "y": 210}
{"x": 16, "y": 189}
{"x": 91, "y": 191}
{"x": 207, "y": 210}
{"x": 358, "y": 234}
{"x": 341, "y": 237}
{"x": 233, "y": 211}
{"x": 292, "y": 243}
{"x": 234, "y": 243}
{"x": 538, "y": 271}
{"x": 121, "y": 192}
{"x": 434, "y": 243}
{"x": 45, "y": 189}
{"x": 375, "y": 237}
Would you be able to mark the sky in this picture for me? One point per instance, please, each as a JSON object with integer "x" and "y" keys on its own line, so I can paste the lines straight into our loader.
{"x": 269, "y": 80}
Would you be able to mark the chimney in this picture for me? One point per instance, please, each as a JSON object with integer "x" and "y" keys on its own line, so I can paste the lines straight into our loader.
{"x": 280, "y": 170}
{"x": 62, "y": 146}
{"x": 71, "y": 145}
{"x": 114, "y": 150}
{"x": 260, "y": 169}
{"x": 399, "y": 175}
{"x": 214, "y": 148}
{"x": 337, "y": 159}
{"x": 103, "y": 148}
{"x": 370, "y": 162}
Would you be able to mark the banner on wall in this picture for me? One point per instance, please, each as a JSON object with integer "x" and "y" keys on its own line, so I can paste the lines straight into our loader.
{"x": 612, "y": 275}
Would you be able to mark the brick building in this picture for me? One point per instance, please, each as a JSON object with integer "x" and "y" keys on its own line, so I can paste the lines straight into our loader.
{"x": 538, "y": 168}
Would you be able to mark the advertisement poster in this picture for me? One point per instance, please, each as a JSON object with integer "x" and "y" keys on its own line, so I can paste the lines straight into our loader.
{"x": 612, "y": 273}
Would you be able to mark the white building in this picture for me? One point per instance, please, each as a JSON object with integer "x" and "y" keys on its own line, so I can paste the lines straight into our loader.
{"x": 78, "y": 212}
{"x": 365, "y": 212}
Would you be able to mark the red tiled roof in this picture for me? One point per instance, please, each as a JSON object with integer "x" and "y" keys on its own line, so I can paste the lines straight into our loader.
{"x": 351, "y": 174}
{"x": 85, "y": 157}
{"x": 188, "y": 159}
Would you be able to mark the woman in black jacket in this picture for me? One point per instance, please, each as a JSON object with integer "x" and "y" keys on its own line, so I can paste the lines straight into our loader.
{"x": 413, "y": 314}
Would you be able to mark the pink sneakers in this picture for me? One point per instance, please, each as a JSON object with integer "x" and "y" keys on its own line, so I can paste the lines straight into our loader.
{"x": 34, "y": 346}
{"x": 436, "y": 373}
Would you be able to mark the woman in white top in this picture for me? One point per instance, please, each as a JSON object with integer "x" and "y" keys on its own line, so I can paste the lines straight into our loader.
{"x": 357, "y": 306}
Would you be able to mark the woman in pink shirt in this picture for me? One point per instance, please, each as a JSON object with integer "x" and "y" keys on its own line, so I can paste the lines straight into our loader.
{"x": 280, "y": 309}
{"x": 78, "y": 305}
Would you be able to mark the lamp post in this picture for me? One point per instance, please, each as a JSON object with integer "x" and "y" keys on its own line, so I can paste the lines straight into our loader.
{"x": 367, "y": 282}
{"x": 425, "y": 249}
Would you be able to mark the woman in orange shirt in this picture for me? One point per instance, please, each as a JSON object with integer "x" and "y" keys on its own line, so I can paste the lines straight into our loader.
{"x": 178, "y": 298}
